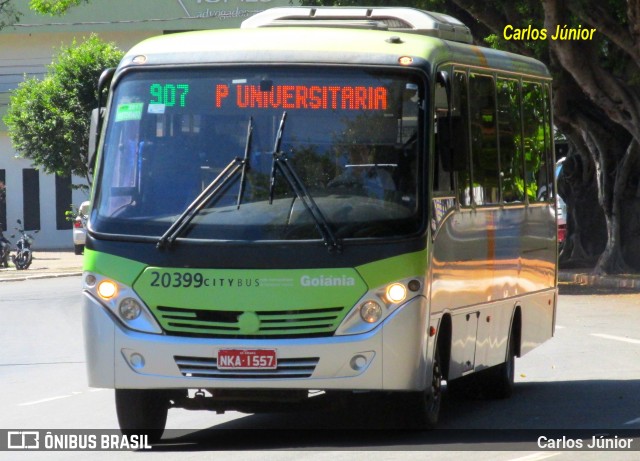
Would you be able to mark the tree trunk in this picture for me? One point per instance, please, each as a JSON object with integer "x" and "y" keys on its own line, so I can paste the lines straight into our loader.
{"x": 608, "y": 132}
{"x": 612, "y": 260}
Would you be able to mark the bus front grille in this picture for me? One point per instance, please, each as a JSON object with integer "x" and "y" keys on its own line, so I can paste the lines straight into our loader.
{"x": 204, "y": 367}
{"x": 296, "y": 323}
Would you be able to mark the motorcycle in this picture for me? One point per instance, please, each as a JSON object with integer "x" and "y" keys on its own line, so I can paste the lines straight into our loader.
{"x": 24, "y": 256}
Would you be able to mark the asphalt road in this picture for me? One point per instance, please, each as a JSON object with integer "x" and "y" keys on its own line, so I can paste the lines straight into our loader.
{"x": 586, "y": 378}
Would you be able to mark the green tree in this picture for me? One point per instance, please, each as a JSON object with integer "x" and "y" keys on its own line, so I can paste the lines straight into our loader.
{"x": 9, "y": 13}
{"x": 48, "y": 119}
{"x": 54, "y": 7}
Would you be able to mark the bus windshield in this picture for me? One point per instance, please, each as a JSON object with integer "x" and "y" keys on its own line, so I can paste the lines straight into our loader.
{"x": 350, "y": 143}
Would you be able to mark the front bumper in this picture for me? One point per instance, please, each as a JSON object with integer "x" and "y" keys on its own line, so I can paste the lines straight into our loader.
{"x": 393, "y": 356}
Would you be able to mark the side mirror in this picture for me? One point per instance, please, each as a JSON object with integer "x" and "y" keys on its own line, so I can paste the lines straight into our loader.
{"x": 94, "y": 136}
{"x": 453, "y": 141}
{"x": 443, "y": 79}
{"x": 453, "y": 144}
{"x": 97, "y": 116}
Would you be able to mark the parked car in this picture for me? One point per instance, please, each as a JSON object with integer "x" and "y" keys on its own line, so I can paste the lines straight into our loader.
{"x": 561, "y": 207}
{"x": 80, "y": 228}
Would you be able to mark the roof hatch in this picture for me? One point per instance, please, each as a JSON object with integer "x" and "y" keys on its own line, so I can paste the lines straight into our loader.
{"x": 393, "y": 19}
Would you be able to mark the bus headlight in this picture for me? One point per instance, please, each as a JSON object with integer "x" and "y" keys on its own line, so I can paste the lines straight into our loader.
{"x": 370, "y": 311}
{"x": 396, "y": 293}
{"x": 122, "y": 301}
{"x": 129, "y": 309}
{"x": 378, "y": 304}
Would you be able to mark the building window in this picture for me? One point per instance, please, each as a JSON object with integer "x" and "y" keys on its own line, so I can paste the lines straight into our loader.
{"x": 31, "y": 194}
{"x": 63, "y": 202}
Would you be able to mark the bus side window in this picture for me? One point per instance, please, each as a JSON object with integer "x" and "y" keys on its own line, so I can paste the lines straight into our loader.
{"x": 535, "y": 145}
{"x": 484, "y": 145}
{"x": 460, "y": 137}
{"x": 548, "y": 139}
{"x": 443, "y": 176}
{"x": 509, "y": 128}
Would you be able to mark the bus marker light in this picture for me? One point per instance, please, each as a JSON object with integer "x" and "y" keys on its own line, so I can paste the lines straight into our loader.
{"x": 405, "y": 60}
{"x": 414, "y": 285}
{"x": 370, "y": 312}
{"x": 432, "y": 331}
{"x": 396, "y": 293}
{"x": 90, "y": 280}
{"x": 107, "y": 289}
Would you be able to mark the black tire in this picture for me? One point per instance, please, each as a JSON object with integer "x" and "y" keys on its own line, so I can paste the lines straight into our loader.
{"x": 78, "y": 249}
{"x": 142, "y": 412}
{"x": 22, "y": 260}
{"x": 497, "y": 382}
{"x": 425, "y": 405}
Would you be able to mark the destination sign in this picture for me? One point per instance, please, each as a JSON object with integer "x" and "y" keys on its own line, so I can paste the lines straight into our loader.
{"x": 314, "y": 97}
{"x": 245, "y": 96}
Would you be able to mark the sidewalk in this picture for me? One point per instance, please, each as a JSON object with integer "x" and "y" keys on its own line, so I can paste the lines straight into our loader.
{"x": 46, "y": 264}
{"x": 64, "y": 263}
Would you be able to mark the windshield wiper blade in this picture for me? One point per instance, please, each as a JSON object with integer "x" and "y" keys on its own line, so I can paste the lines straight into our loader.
{"x": 280, "y": 162}
{"x": 218, "y": 184}
{"x": 289, "y": 173}
{"x": 245, "y": 162}
{"x": 276, "y": 150}
{"x": 214, "y": 187}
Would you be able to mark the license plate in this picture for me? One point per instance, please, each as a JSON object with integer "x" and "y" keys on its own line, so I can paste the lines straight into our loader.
{"x": 247, "y": 359}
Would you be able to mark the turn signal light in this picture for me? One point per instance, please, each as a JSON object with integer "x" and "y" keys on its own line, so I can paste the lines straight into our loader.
{"x": 107, "y": 289}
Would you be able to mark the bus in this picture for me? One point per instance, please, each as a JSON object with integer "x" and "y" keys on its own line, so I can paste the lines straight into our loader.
{"x": 324, "y": 201}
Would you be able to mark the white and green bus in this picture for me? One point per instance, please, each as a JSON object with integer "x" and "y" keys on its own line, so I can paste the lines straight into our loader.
{"x": 345, "y": 200}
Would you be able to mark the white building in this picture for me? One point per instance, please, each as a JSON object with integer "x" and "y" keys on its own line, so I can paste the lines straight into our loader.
{"x": 38, "y": 199}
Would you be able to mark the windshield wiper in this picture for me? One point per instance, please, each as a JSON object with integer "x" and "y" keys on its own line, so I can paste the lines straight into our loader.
{"x": 245, "y": 162}
{"x": 276, "y": 149}
{"x": 218, "y": 184}
{"x": 281, "y": 163}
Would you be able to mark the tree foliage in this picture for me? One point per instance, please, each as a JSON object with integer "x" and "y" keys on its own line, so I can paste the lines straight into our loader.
{"x": 8, "y": 13}
{"x": 48, "y": 119}
{"x": 54, "y": 7}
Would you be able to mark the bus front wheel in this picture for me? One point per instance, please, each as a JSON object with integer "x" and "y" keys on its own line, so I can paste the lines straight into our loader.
{"x": 426, "y": 404}
{"x": 142, "y": 412}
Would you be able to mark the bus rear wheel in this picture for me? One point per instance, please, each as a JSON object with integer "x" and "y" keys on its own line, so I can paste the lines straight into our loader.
{"x": 142, "y": 412}
{"x": 502, "y": 377}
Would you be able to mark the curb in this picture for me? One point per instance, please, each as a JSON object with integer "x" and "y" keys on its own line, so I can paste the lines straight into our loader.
{"x": 629, "y": 282}
{"x": 22, "y": 278}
